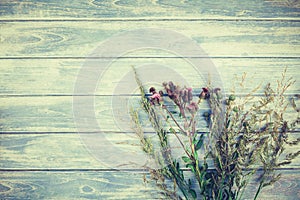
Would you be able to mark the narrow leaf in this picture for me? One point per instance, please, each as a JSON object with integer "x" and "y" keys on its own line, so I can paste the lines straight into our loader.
{"x": 186, "y": 159}
{"x": 191, "y": 166}
{"x": 193, "y": 193}
{"x": 199, "y": 143}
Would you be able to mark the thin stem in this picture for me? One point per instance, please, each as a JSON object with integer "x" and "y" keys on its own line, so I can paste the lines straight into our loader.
{"x": 174, "y": 132}
{"x": 174, "y": 120}
{"x": 259, "y": 189}
{"x": 181, "y": 143}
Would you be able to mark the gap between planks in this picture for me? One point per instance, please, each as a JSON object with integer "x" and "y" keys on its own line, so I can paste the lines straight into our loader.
{"x": 137, "y": 170}
{"x": 93, "y": 132}
{"x": 281, "y": 19}
{"x": 120, "y": 95}
{"x": 139, "y": 57}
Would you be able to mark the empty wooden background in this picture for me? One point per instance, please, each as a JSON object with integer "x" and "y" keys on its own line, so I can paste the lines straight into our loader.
{"x": 43, "y": 45}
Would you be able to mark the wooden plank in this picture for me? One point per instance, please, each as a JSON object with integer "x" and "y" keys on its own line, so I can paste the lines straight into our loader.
{"x": 216, "y": 38}
{"x": 58, "y": 76}
{"x": 114, "y": 185}
{"x": 75, "y": 185}
{"x": 144, "y": 9}
{"x": 286, "y": 189}
{"x": 91, "y": 151}
{"x": 56, "y": 114}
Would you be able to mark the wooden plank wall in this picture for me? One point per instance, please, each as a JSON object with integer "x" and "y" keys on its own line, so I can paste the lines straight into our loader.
{"x": 43, "y": 46}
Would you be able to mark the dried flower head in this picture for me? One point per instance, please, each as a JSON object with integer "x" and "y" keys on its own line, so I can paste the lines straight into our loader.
{"x": 184, "y": 95}
{"x": 152, "y": 90}
{"x": 156, "y": 98}
{"x": 190, "y": 94}
{"x": 237, "y": 143}
{"x": 217, "y": 92}
{"x": 192, "y": 107}
{"x": 204, "y": 94}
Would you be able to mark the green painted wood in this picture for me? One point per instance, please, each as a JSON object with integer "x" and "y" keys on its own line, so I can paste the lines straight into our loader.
{"x": 75, "y": 185}
{"x": 217, "y": 38}
{"x": 55, "y": 114}
{"x": 98, "y": 9}
{"x": 102, "y": 151}
{"x": 58, "y": 76}
{"x": 43, "y": 46}
{"x": 114, "y": 185}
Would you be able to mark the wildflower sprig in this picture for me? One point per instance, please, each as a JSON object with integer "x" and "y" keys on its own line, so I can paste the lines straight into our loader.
{"x": 242, "y": 140}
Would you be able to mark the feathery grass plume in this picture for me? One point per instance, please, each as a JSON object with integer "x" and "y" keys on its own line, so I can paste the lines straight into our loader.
{"x": 244, "y": 139}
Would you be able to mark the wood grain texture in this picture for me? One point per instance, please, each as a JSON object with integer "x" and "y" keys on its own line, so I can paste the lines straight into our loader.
{"x": 57, "y": 114}
{"x": 99, "y": 9}
{"x": 45, "y": 44}
{"x": 75, "y": 185}
{"x": 114, "y": 185}
{"x": 90, "y": 151}
{"x": 58, "y": 76}
{"x": 216, "y": 38}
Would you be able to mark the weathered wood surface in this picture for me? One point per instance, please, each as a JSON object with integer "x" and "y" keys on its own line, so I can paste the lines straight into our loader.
{"x": 166, "y": 9}
{"x": 217, "y": 38}
{"x": 75, "y": 185}
{"x": 56, "y": 114}
{"x": 123, "y": 185}
{"x": 43, "y": 47}
{"x": 58, "y": 76}
{"x": 72, "y": 151}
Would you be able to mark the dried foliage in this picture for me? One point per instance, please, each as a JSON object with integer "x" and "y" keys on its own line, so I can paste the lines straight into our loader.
{"x": 244, "y": 138}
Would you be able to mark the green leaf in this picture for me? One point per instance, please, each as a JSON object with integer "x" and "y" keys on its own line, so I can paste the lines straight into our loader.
{"x": 172, "y": 130}
{"x": 218, "y": 163}
{"x": 208, "y": 181}
{"x": 177, "y": 167}
{"x": 193, "y": 193}
{"x": 186, "y": 159}
{"x": 231, "y": 97}
{"x": 196, "y": 155}
{"x": 190, "y": 182}
{"x": 293, "y": 103}
{"x": 181, "y": 173}
{"x": 191, "y": 166}
{"x": 199, "y": 143}
{"x": 228, "y": 122}
{"x": 235, "y": 109}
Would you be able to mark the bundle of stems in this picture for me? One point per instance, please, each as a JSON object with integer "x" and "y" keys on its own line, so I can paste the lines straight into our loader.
{"x": 243, "y": 139}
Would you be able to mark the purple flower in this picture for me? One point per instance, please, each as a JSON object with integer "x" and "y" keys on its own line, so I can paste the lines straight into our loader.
{"x": 161, "y": 93}
{"x": 152, "y": 90}
{"x": 184, "y": 95}
{"x": 172, "y": 86}
{"x": 204, "y": 94}
{"x": 172, "y": 91}
{"x": 190, "y": 94}
{"x": 192, "y": 107}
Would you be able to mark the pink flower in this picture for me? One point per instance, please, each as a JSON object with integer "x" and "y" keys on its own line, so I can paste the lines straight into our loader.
{"x": 155, "y": 98}
{"x": 205, "y": 90}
